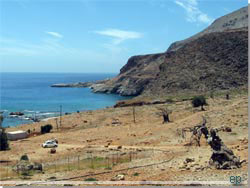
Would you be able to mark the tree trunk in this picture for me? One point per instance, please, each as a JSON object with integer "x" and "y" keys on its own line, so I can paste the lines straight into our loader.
{"x": 166, "y": 118}
{"x": 202, "y": 109}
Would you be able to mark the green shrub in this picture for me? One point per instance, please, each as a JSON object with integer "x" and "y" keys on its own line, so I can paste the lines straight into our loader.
{"x": 24, "y": 157}
{"x": 136, "y": 174}
{"x": 199, "y": 101}
{"x": 90, "y": 179}
{"x": 169, "y": 101}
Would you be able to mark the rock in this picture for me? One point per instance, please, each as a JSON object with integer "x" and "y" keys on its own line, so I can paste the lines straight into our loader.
{"x": 100, "y": 88}
{"x": 227, "y": 129}
{"x": 188, "y": 160}
{"x": 16, "y": 114}
{"x": 52, "y": 178}
{"x": 116, "y": 122}
{"x": 38, "y": 166}
{"x": 119, "y": 147}
{"x": 183, "y": 167}
{"x": 244, "y": 141}
{"x": 24, "y": 166}
{"x": 107, "y": 145}
{"x": 118, "y": 177}
{"x": 194, "y": 164}
{"x": 52, "y": 150}
{"x": 78, "y": 84}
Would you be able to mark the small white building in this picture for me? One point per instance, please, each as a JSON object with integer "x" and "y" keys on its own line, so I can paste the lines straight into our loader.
{"x": 16, "y": 135}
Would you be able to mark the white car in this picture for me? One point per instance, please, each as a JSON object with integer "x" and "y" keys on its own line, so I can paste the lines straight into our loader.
{"x": 50, "y": 144}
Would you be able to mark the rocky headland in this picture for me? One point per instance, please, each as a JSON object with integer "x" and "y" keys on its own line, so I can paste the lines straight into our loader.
{"x": 214, "y": 59}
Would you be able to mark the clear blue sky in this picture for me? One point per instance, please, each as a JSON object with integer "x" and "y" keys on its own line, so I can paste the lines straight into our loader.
{"x": 97, "y": 35}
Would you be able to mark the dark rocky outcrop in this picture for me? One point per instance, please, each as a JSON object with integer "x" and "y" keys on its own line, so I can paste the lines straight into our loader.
{"x": 25, "y": 166}
{"x": 79, "y": 84}
{"x": 16, "y": 114}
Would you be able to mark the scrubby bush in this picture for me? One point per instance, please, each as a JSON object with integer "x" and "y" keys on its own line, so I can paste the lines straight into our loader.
{"x": 46, "y": 128}
{"x": 90, "y": 179}
{"x": 4, "y": 145}
{"x": 199, "y": 101}
{"x": 24, "y": 157}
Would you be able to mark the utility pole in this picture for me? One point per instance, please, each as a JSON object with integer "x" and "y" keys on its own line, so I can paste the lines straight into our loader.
{"x": 60, "y": 115}
{"x": 1, "y": 120}
{"x": 134, "y": 113}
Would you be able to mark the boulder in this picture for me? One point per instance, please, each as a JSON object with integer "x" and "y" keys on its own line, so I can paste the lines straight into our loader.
{"x": 119, "y": 147}
{"x": 52, "y": 150}
{"x": 189, "y": 160}
{"x": 16, "y": 114}
{"x": 118, "y": 177}
{"x": 24, "y": 165}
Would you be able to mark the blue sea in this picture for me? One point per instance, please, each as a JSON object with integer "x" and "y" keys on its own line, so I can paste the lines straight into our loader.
{"x": 31, "y": 94}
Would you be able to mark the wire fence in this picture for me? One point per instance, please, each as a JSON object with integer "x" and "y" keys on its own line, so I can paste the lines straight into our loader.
{"x": 84, "y": 161}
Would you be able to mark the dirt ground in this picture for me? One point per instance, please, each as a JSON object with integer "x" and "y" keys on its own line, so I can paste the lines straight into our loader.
{"x": 160, "y": 149}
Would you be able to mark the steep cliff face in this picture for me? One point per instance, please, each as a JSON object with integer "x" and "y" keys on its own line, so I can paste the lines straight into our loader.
{"x": 134, "y": 76}
{"x": 215, "y": 58}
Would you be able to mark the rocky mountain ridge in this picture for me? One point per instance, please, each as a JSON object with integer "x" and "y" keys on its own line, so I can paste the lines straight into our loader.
{"x": 213, "y": 59}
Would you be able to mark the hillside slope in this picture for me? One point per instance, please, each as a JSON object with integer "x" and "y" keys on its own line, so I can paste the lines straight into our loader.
{"x": 215, "y": 61}
{"x": 215, "y": 58}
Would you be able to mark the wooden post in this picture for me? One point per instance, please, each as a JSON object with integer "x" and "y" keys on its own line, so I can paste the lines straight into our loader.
{"x": 68, "y": 163}
{"x": 113, "y": 159}
{"x": 117, "y": 158}
{"x": 60, "y": 115}
{"x": 7, "y": 169}
{"x": 134, "y": 113}
{"x": 78, "y": 162}
{"x": 108, "y": 162}
{"x": 92, "y": 164}
{"x": 55, "y": 165}
{"x": 56, "y": 123}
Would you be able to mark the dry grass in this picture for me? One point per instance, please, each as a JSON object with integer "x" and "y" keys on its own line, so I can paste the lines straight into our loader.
{"x": 93, "y": 130}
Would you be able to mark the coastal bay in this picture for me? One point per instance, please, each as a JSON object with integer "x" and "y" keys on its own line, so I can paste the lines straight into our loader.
{"x": 31, "y": 94}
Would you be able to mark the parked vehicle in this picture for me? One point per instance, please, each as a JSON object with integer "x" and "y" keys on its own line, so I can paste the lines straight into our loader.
{"x": 50, "y": 144}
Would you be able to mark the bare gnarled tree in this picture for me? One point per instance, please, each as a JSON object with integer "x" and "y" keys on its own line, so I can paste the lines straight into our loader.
{"x": 164, "y": 112}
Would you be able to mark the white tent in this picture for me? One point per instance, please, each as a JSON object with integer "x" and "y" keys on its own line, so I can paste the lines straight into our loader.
{"x": 16, "y": 135}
